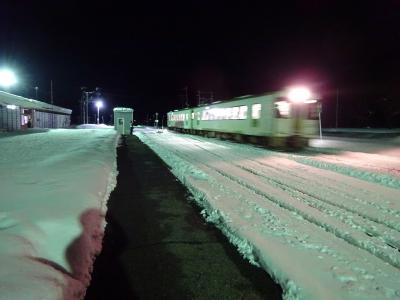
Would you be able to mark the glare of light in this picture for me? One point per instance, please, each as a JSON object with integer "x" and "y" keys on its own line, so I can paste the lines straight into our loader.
{"x": 11, "y": 106}
{"x": 7, "y": 78}
{"x": 99, "y": 104}
{"x": 310, "y": 101}
{"x": 299, "y": 94}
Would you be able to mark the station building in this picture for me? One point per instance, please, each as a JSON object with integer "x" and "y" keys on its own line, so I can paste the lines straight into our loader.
{"x": 18, "y": 112}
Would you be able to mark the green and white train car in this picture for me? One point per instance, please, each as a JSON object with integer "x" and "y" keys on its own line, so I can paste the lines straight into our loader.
{"x": 281, "y": 119}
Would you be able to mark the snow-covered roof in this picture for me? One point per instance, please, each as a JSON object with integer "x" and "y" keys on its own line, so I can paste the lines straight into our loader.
{"x": 11, "y": 99}
{"x": 123, "y": 109}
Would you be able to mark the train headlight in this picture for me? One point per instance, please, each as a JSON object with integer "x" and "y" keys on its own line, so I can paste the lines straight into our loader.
{"x": 299, "y": 94}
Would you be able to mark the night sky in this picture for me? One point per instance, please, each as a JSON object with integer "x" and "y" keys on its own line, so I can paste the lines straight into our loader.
{"x": 143, "y": 54}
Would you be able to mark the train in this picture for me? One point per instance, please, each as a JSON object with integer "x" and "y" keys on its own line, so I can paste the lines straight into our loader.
{"x": 282, "y": 119}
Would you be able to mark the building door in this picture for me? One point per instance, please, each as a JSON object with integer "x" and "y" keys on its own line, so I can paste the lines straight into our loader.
{"x": 121, "y": 125}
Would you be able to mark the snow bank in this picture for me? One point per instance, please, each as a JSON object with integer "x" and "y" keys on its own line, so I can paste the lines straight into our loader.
{"x": 54, "y": 188}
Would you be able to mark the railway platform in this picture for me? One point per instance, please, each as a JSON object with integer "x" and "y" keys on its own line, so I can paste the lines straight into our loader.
{"x": 157, "y": 246}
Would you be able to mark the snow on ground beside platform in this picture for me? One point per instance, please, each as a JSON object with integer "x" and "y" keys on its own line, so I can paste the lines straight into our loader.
{"x": 54, "y": 186}
{"x": 321, "y": 232}
{"x": 94, "y": 126}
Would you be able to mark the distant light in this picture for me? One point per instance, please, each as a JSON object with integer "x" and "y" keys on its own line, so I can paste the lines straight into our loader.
{"x": 7, "y": 78}
{"x": 299, "y": 94}
{"x": 99, "y": 104}
{"x": 11, "y": 106}
{"x": 310, "y": 101}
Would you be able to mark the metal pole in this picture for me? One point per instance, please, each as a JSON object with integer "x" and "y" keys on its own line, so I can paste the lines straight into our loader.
{"x": 320, "y": 127}
{"x": 186, "y": 97}
{"x": 337, "y": 106}
{"x": 51, "y": 99}
{"x": 87, "y": 108}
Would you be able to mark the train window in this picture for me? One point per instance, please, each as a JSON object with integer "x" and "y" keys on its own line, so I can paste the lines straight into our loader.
{"x": 282, "y": 109}
{"x": 243, "y": 112}
{"x": 256, "y": 111}
{"x": 234, "y": 115}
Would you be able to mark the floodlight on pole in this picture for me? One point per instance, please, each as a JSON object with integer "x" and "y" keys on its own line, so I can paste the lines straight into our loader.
{"x": 99, "y": 104}
{"x": 7, "y": 78}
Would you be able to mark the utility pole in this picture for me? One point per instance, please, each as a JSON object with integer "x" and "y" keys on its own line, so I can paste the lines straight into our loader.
{"x": 51, "y": 101}
{"x": 337, "y": 106}
{"x": 205, "y": 97}
{"x": 87, "y": 108}
{"x": 156, "y": 121}
{"x": 186, "y": 97}
{"x": 51, "y": 91}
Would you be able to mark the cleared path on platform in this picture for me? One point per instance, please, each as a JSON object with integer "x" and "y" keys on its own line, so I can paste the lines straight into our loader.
{"x": 157, "y": 246}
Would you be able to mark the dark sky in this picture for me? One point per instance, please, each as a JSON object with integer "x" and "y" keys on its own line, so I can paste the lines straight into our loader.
{"x": 141, "y": 54}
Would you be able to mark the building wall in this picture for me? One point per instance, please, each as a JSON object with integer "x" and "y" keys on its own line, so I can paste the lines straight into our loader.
{"x": 10, "y": 119}
{"x": 127, "y": 116}
{"x": 13, "y": 119}
{"x": 48, "y": 120}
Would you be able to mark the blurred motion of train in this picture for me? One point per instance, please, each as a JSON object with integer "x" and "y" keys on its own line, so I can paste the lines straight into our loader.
{"x": 284, "y": 119}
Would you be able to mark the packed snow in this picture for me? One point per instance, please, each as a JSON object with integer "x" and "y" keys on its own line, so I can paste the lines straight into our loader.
{"x": 54, "y": 186}
{"x": 324, "y": 223}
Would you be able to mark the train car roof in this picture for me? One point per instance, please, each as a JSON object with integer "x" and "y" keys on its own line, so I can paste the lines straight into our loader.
{"x": 227, "y": 100}
{"x": 11, "y": 99}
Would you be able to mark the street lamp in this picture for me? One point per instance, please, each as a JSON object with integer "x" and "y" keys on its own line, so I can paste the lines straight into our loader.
{"x": 7, "y": 78}
{"x": 36, "y": 89}
{"x": 99, "y": 104}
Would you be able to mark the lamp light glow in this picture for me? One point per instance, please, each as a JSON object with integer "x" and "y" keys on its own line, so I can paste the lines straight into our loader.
{"x": 7, "y": 78}
{"x": 299, "y": 94}
{"x": 11, "y": 106}
{"x": 99, "y": 104}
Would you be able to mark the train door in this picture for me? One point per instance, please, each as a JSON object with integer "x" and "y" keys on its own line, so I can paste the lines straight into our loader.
{"x": 191, "y": 119}
{"x": 297, "y": 115}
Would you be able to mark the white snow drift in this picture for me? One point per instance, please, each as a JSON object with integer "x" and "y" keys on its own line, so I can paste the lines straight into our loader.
{"x": 53, "y": 190}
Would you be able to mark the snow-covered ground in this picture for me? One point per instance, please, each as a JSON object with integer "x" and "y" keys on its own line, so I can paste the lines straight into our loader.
{"x": 325, "y": 223}
{"x": 53, "y": 190}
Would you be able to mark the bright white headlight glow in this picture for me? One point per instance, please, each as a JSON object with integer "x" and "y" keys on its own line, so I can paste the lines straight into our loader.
{"x": 299, "y": 94}
{"x": 7, "y": 78}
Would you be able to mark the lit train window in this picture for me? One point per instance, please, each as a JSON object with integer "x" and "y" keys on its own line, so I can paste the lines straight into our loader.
{"x": 243, "y": 112}
{"x": 282, "y": 109}
{"x": 234, "y": 113}
{"x": 256, "y": 111}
